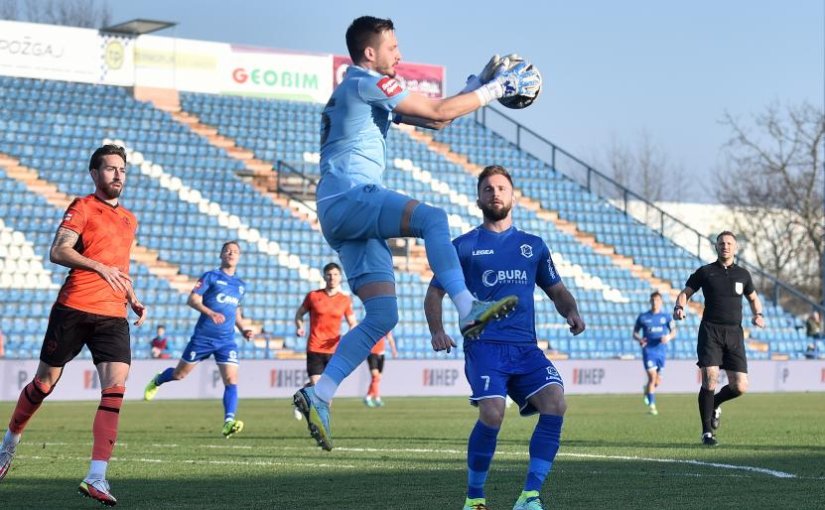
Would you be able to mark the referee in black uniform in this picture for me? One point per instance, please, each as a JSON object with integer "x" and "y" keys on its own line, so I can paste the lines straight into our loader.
{"x": 721, "y": 341}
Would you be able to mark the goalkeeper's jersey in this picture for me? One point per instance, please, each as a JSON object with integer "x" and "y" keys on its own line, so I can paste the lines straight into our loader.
{"x": 354, "y": 127}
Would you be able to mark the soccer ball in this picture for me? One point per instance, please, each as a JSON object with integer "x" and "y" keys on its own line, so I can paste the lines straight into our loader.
{"x": 521, "y": 101}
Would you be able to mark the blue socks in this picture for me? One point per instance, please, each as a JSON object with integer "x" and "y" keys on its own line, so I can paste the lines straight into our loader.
{"x": 230, "y": 401}
{"x": 165, "y": 376}
{"x": 480, "y": 449}
{"x": 381, "y": 317}
{"x": 543, "y": 448}
{"x": 651, "y": 398}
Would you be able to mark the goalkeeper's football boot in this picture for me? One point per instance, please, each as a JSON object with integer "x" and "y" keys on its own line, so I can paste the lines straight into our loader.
{"x": 716, "y": 419}
{"x": 529, "y": 500}
{"x": 316, "y": 412}
{"x": 709, "y": 439}
{"x": 98, "y": 490}
{"x": 151, "y": 389}
{"x": 476, "y": 504}
{"x": 232, "y": 427}
{"x": 6, "y": 455}
{"x": 483, "y": 312}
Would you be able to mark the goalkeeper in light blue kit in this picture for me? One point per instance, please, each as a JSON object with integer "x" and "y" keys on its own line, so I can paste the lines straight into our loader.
{"x": 217, "y": 296}
{"x": 358, "y": 214}
{"x": 499, "y": 259}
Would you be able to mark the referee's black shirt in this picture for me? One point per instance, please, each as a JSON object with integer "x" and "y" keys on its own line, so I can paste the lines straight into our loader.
{"x": 723, "y": 289}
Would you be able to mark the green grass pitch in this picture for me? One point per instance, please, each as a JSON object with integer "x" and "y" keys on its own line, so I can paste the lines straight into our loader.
{"x": 411, "y": 455}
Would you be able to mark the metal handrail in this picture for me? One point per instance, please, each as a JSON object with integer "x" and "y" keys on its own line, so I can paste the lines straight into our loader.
{"x": 283, "y": 169}
{"x": 481, "y": 117}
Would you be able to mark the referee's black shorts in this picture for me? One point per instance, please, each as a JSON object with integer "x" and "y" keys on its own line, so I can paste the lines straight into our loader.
{"x": 723, "y": 346}
{"x": 69, "y": 330}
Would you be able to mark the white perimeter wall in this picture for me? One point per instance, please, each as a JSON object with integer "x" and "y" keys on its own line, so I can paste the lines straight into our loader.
{"x": 281, "y": 378}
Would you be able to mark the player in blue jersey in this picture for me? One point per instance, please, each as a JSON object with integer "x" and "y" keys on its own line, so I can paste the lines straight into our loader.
{"x": 498, "y": 259}
{"x": 653, "y": 330}
{"x": 357, "y": 213}
{"x": 217, "y": 296}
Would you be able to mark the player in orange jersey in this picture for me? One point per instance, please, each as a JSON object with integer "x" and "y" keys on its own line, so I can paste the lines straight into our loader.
{"x": 326, "y": 308}
{"x": 375, "y": 362}
{"x": 94, "y": 241}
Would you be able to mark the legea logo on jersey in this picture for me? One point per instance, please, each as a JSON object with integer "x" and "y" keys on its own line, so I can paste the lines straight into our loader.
{"x": 223, "y": 298}
{"x": 588, "y": 376}
{"x": 483, "y": 252}
{"x": 293, "y": 378}
{"x": 439, "y": 376}
{"x": 90, "y": 380}
{"x": 491, "y": 277}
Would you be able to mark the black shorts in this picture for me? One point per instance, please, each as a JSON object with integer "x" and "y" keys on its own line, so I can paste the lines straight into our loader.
{"x": 317, "y": 362}
{"x": 723, "y": 346}
{"x": 70, "y": 329}
{"x": 376, "y": 362}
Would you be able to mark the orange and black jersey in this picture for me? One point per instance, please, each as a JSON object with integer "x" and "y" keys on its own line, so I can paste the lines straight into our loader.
{"x": 106, "y": 236}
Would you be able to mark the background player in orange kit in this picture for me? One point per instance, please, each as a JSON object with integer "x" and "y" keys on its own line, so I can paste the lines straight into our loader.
{"x": 375, "y": 362}
{"x": 94, "y": 241}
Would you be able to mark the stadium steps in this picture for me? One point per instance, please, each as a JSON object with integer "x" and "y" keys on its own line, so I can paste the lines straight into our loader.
{"x": 568, "y": 227}
{"x": 409, "y": 257}
{"x": 49, "y": 191}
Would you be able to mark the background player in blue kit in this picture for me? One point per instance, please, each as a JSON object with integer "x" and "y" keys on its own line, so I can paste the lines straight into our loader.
{"x": 357, "y": 213}
{"x": 657, "y": 329}
{"x": 217, "y": 296}
{"x": 497, "y": 260}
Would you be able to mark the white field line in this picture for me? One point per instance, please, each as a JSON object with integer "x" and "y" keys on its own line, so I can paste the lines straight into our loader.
{"x": 734, "y": 467}
{"x": 268, "y": 463}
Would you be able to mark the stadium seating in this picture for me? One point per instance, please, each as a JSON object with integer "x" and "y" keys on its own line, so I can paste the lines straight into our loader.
{"x": 189, "y": 197}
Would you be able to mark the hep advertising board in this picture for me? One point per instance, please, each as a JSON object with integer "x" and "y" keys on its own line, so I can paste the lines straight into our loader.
{"x": 281, "y": 378}
{"x": 423, "y": 78}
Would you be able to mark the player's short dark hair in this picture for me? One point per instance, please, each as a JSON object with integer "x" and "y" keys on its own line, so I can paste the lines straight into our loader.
{"x": 363, "y": 32}
{"x": 236, "y": 243}
{"x": 161, "y": 326}
{"x": 655, "y": 293}
{"x": 725, "y": 233}
{"x": 106, "y": 150}
{"x": 493, "y": 170}
{"x": 331, "y": 266}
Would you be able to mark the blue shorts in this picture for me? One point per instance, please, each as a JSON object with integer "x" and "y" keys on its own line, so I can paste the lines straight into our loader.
{"x": 356, "y": 224}
{"x": 653, "y": 358}
{"x": 199, "y": 348}
{"x": 495, "y": 370}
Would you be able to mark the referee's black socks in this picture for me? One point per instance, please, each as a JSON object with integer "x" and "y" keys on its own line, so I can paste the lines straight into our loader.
{"x": 706, "y": 401}
{"x": 725, "y": 394}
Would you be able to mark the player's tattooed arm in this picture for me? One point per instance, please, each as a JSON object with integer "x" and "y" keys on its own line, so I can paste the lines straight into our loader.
{"x": 64, "y": 252}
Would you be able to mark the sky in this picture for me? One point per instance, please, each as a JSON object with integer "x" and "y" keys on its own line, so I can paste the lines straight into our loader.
{"x": 612, "y": 71}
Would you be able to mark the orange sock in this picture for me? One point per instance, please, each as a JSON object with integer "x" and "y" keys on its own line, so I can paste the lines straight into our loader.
{"x": 104, "y": 429}
{"x": 376, "y": 380}
{"x": 29, "y": 401}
